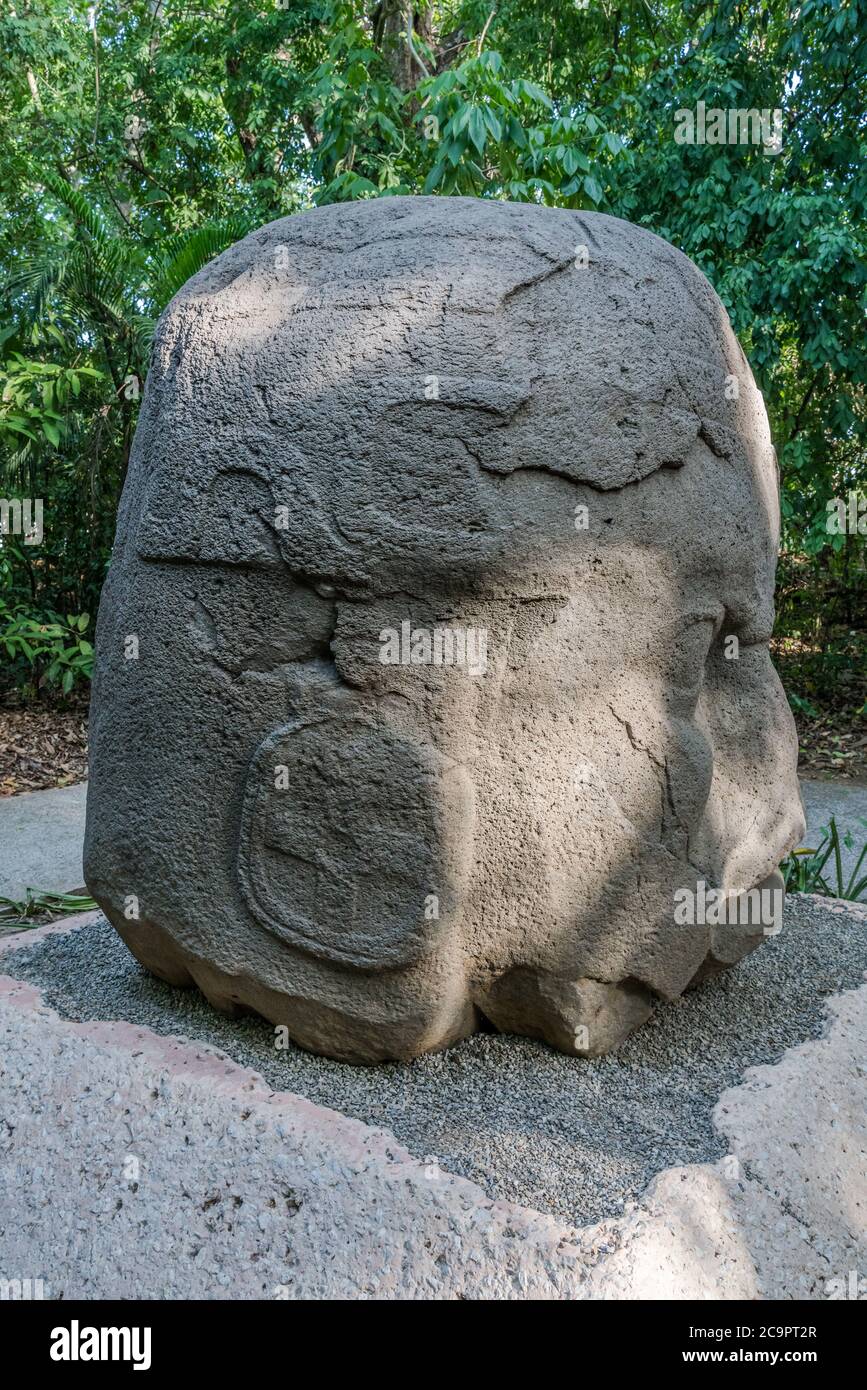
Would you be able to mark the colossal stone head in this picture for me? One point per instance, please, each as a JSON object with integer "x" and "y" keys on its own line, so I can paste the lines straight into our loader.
{"x": 433, "y": 664}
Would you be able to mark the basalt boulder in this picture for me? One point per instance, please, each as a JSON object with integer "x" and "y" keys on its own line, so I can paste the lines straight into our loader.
{"x": 432, "y": 663}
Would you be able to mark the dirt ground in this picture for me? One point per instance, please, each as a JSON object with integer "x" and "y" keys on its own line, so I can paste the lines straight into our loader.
{"x": 42, "y": 748}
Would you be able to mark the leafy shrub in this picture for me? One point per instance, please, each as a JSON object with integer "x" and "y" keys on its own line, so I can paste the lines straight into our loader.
{"x": 807, "y": 871}
{"x": 46, "y": 651}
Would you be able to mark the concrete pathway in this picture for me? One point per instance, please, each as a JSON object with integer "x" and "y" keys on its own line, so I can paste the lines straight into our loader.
{"x": 847, "y": 802}
{"x": 144, "y": 1167}
{"x": 41, "y": 839}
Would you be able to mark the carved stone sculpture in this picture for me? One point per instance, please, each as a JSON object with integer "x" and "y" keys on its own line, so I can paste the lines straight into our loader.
{"x": 432, "y": 664}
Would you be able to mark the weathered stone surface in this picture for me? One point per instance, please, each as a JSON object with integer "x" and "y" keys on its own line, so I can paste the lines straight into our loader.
{"x": 586, "y": 1017}
{"x": 376, "y": 439}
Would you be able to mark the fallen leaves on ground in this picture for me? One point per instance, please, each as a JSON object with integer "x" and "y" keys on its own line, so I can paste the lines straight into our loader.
{"x": 828, "y": 745}
{"x": 41, "y": 748}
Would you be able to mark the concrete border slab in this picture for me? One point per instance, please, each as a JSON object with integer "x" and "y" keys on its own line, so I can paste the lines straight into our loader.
{"x": 138, "y": 1166}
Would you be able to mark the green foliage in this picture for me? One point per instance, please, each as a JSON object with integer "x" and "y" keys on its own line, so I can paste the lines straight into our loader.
{"x": 808, "y": 871}
{"x": 470, "y": 130}
{"x": 40, "y": 906}
{"x": 137, "y": 147}
{"x": 35, "y": 398}
{"x": 51, "y": 652}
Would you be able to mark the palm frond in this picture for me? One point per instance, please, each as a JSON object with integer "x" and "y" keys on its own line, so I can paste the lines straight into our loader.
{"x": 39, "y": 279}
{"x": 143, "y": 334}
{"x": 83, "y": 215}
{"x": 100, "y": 282}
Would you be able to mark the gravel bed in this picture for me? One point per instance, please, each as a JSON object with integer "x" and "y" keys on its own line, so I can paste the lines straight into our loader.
{"x": 575, "y": 1138}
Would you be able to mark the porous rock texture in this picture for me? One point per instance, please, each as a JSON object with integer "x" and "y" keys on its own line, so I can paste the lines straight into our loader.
{"x": 376, "y": 437}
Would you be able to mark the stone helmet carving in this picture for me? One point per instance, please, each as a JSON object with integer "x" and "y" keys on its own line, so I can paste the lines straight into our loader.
{"x": 432, "y": 663}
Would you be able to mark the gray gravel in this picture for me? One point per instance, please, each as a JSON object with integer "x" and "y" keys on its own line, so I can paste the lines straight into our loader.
{"x": 571, "y": 1137}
